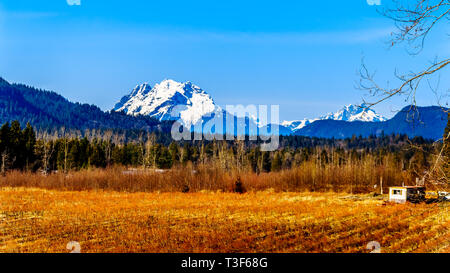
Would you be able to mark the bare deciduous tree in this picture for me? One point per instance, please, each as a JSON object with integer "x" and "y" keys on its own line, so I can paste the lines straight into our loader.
{"x": 107, "y": 138}
{"x": 65, "y": 138}
{"x": 5, "y": 161}
{"x": 414, "y": 20}
{"x": 150, "y": 154}
{"x": 48, "y": 146}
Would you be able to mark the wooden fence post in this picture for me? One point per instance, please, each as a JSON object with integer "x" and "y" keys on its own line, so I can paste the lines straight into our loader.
{"x": 381, "y": 185}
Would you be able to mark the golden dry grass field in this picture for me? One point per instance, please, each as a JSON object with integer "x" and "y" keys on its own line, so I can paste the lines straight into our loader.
{"x": 40, "y": 220}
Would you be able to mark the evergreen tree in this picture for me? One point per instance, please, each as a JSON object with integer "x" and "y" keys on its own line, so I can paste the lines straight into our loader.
{"x": 276, "y": 162}
{"x": 83, "y": 150}
{"x": 5, "y": 147}
{"x": 17, "y": 145}
{"x": 97, "y": 156}
{"x": 253, "y": 156}
{"x": 29, "y": 138}
{"x": 174, "y": 152}
{"x": 164, "y": 158}
{"x": 185, "y": 154}
{"x": 265, "y": 162}
{"x": 4, "y": 137}
{"x": 73, "y": 158}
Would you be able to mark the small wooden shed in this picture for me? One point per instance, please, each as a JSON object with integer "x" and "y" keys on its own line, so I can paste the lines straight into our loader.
{"x": 406, "y": 193}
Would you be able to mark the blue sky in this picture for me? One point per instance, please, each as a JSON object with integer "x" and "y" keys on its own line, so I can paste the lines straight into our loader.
{"x": 302, "y": 55}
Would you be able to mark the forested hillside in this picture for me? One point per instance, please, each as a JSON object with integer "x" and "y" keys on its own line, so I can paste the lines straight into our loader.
{"x": 48, "y": 110}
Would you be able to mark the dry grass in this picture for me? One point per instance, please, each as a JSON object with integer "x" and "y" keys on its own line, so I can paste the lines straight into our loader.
{"x": 359, "y": 178}
{"x": 40, "y": 220}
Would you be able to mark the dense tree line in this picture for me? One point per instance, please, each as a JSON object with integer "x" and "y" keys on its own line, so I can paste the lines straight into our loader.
{"x": 21, "y": 149}
{"x": 17, "y": 146}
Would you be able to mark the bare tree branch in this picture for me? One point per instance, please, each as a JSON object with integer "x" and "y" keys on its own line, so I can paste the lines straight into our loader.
{"x": 409, "y": 86}
{"x": 414, "y": 19}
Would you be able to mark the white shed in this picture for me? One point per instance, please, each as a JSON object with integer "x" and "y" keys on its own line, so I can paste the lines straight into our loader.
{"x": 406, "y": 193}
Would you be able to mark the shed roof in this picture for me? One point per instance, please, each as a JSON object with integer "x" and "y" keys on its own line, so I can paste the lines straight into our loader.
{"x": 409, "y": 187}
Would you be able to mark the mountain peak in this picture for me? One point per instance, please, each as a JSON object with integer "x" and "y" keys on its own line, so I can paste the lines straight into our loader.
{"x": 169, "y": 83}
{"x": 350, "y": 112}
{"x": 168, "y": 100}
{"x": 354, "y": 112}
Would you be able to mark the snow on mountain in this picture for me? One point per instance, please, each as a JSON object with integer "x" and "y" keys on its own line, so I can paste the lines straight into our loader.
{"x": 169, "y": 100}
{"x": 297, "y": 124}
{"x": 348, "y": 113}
{"x": 355, "y": 113}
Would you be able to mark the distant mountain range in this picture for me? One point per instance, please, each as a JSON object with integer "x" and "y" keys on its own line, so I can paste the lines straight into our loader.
{"x": 155, "y": 108}
{"x": 195, "y": 105}
{"x": 428, "y": 122}
{"x": 189, "y": 104}
{"x": 348, "y": 113}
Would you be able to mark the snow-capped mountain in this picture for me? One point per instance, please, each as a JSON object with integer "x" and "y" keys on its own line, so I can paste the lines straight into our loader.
{"x": 348, "y": 113}
{"x": 297, "y": 124}
{"x": 188, "y": 103}
{"x": 169, "y": 100}
{"x": 355, "y": 113}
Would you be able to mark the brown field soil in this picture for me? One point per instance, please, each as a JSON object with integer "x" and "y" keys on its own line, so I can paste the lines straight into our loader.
{"x": 40, "y": 220}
